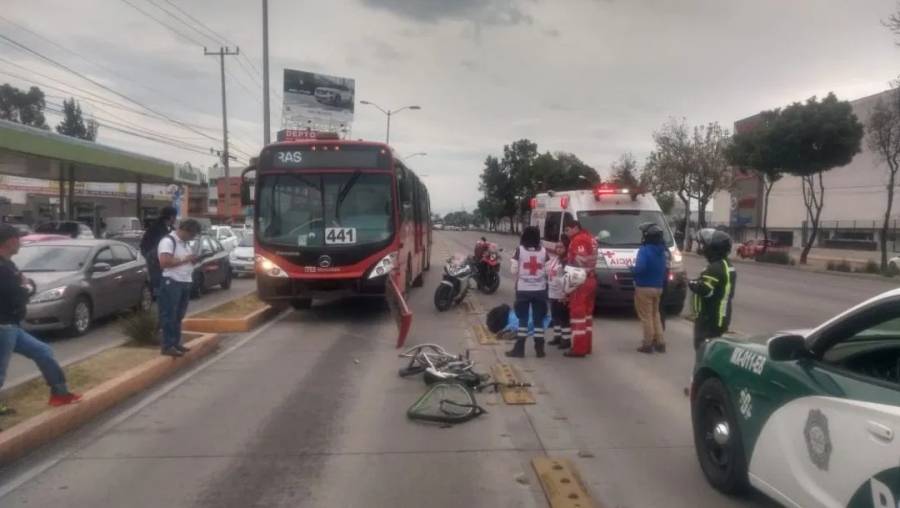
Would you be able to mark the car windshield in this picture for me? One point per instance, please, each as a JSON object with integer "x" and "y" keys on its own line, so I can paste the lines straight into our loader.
{"x": 318, "y": 209}
{"x": 620, "y": 228}
{"x": 51, "y": 258}
{"x": 246, "y": 241}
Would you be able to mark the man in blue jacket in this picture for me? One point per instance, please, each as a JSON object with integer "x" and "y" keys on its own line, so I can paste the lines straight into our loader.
{"x": 649, "y": 276}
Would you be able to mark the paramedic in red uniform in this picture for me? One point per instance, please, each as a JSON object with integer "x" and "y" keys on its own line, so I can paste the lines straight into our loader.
{"x": 583, "y": 254}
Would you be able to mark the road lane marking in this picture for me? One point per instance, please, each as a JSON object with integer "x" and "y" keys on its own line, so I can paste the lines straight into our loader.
{"x": 511, "y": 385}
{"x": 561, "y": 483}
{"x": 485, "y": 337}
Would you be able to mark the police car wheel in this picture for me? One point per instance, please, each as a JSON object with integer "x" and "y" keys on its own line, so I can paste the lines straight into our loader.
{"x": 717, "y": 439}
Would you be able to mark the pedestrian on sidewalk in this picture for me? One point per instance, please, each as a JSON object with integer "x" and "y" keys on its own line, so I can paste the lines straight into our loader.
{"x": 559, "y": 301}
{"x": 582, "y": 254}
{"x": 528, "y": 267}
{"x": 649, "y": 279}
{"x": 177, "y": 261}
{"x": 714, "y": 289}
{"x": 161, "y": 227}
{"x": 15, "y": 290}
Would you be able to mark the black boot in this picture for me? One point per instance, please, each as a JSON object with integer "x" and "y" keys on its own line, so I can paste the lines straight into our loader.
{"x": 539, "y": 348}
{"x": 565, "y": 344}
{"x": 555, "y": 342}
{"x": 518, "y": 350}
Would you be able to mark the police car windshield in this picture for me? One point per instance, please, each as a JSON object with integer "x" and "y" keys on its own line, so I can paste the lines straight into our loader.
{"x": 620, "y": 228}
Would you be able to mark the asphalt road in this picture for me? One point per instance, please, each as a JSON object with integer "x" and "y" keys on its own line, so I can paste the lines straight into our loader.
{"x": 309, "y": 411}
{"x": 106, "y": 334}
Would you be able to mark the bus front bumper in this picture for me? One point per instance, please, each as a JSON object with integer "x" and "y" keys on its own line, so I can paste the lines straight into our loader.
{"x": 278, "y": 288}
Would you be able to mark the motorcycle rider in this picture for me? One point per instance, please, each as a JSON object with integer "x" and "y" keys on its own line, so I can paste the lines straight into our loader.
{"x": 531, "y": 291}
{"x": 714, "y": 289}
{"x": 582, "y": 254}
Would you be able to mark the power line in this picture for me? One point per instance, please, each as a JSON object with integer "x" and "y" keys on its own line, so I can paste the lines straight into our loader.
{"x": 164, "y": 24}
{"x": 219, "y": 39}
{"x": 182, "y": 21}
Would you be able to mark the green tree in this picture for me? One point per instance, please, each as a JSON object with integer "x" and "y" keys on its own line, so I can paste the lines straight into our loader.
{"x": 670, "y": 167}
{"x": 23, "y": 107}
{"x": 883, "y": 139}
{"x": 711, "y": 172}
{"x": 817, "y": 137}
{"x": 625, "y": 172}
{"x": 73, "y": 123}
{"x": 760, "y": 149}
{"x": 497, "y": 186}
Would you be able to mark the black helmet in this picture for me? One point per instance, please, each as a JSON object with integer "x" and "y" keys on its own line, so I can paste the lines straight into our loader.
{"x": 651, "y": 232}
{"x": 714, "y": 244}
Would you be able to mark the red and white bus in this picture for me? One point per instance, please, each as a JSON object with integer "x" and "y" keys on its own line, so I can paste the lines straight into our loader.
{"x": 337, "y": 217}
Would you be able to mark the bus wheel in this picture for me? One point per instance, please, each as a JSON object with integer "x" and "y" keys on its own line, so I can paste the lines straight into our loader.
{"x": 420, "y": 280}
{"x": 301, "y": 303}
{"x": 426, "y": 265}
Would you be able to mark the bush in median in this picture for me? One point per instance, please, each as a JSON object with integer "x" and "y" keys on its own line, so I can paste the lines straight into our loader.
{"x": 839, "y": 266}
{"x": 778, "y": 257}
{"x": 142, "y": 327}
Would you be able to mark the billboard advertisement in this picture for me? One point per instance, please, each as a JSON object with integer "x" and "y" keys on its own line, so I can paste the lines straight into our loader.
{"x": 317, "y": 101}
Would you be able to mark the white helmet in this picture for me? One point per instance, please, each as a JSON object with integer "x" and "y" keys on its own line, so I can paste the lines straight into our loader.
{"x": 573, "y": 278}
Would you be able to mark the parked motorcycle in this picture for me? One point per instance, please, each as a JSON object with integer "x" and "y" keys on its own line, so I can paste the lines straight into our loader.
{"x": 455, "y": 285}
{"x": 487, "y": 266}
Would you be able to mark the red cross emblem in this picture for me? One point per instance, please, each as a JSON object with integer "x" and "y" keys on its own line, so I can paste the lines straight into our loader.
{"x": 609, "y": 254}
{"x": 532, "y": 265}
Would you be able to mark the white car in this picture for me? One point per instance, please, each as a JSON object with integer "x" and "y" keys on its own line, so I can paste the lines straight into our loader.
{"x": 243, "y": 257}
{"x": 333, "y": 96}
{"x": 226, "y": 236}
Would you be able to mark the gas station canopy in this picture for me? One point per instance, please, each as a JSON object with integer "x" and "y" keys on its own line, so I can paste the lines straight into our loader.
{"x": 35, "y": 153}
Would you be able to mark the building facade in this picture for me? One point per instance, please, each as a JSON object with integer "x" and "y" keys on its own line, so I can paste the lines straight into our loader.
{"x": 855, "y": 200}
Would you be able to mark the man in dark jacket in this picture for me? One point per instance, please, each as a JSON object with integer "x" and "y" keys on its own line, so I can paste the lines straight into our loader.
{"x": 649, "y": 278}
{"x": 714, "y": 289}
{"x": 15, "y": 290}
{"x": 150, "y": 241}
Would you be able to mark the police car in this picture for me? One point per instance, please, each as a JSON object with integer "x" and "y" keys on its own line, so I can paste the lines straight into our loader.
{"x": 810, "y": 417}
{"x": 613, "y": 215}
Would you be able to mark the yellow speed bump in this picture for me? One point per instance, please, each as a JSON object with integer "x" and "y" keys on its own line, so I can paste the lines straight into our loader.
{"x": 473, "y": 306}
{"x": 485, "y": 337}
{"x": 561, "y": 483}
{"x": 514, "y": 391}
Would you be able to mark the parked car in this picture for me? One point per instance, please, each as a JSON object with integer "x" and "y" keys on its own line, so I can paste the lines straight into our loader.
{"x": 809, "y": 417}
{"x": 243, "y": 257}
{"x": 32, "y": 238}
{"x": 131, "y": 237}
{"x": 214, "y": 269}
{"x": 24, "y": 228}
{"x": 225, "y": 235}
{"x": 78, "y": 281}
{"x": 118, "y": 225}
{"x": 69, "y": 228}
{"x": 752, "y": 248}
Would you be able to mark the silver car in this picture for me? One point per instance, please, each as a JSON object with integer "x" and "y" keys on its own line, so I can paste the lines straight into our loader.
{"x": 243, "y": 257}
{"x": 78, "y": 281}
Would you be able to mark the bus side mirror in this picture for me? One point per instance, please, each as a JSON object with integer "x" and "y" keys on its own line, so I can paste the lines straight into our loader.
{"x": 248, "y": 186}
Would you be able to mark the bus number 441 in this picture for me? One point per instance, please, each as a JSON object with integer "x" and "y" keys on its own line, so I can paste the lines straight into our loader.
{"x": 340, "y": 235}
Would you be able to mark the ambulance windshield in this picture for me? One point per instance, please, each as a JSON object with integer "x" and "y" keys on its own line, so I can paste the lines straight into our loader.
{"x": 620, "y": 228}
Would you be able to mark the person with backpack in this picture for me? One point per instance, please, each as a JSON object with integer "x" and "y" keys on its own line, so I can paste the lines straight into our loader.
{"x": 161, "y": 227}
{"x": 528, "y": 267}
{"x": 177, "y": 261}
{"x": 649, "y": 272}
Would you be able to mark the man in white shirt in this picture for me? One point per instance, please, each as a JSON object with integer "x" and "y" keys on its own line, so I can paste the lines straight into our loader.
{"x": 177, "y": 262}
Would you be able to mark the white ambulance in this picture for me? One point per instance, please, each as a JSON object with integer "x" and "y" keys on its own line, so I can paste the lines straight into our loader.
{"x": 612, "y": 215}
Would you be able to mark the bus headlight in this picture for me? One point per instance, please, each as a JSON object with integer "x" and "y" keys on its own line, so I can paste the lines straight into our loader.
{"x": 384, "y": 267}
{"x": 268, "y": 267}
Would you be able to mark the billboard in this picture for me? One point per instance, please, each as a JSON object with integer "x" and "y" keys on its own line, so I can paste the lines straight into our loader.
{"x": 317, "y": 101}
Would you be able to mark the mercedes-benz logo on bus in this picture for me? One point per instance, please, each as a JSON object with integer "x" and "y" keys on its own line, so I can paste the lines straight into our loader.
{"x": 325, "y": 261}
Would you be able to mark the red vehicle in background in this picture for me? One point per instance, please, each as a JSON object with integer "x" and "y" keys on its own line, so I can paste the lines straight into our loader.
{"x": 753, "y": 248}
{"x": 487, "y": 266}
{"x": 40, "y": 237}
{"x": 338, "y": 217}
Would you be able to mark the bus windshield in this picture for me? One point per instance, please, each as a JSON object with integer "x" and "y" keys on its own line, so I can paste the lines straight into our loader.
{"x": 620, "y": 228}
{"x": 319, "y": 209}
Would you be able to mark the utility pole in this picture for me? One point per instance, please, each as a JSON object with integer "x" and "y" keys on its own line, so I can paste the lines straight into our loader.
{"x": 266, "y": 120}
{"x": 222, "y": 53}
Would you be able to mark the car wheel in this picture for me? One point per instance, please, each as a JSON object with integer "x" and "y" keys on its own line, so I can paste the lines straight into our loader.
{"x": 226, "y": 284}
{"x": 198, "y": 285}
{"x": 301, "y": 303}
{"x": 717, "y": 438}
{"x": 146, "y": 299}
{"x": 675, "y": 309}
{"x": 81, "y": 317}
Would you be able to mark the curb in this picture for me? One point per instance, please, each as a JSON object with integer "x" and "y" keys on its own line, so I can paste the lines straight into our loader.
{"x": 229, "y": 325}
{"x": 855, "y": 275}
{"x": 53, "y": 423}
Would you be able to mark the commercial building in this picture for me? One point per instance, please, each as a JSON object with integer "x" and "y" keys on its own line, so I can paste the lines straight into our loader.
{"x": 219, "y": 187}
{"x": 855, "y": 200}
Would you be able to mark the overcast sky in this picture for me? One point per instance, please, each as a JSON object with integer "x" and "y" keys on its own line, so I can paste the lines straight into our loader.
{"x": 594, "y": 77}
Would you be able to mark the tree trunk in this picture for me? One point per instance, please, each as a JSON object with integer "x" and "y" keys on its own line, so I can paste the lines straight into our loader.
{"x": 701, "y": 213}
{"x": 887, "y": 216}
{"x": 687, "y": 242}
{"x": 765, "y": 213}
{"x": 814, "y": 202}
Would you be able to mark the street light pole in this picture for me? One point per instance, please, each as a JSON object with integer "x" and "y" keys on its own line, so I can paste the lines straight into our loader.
{"x": 388, "y": 113}
{"x": 267, "y": 129}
